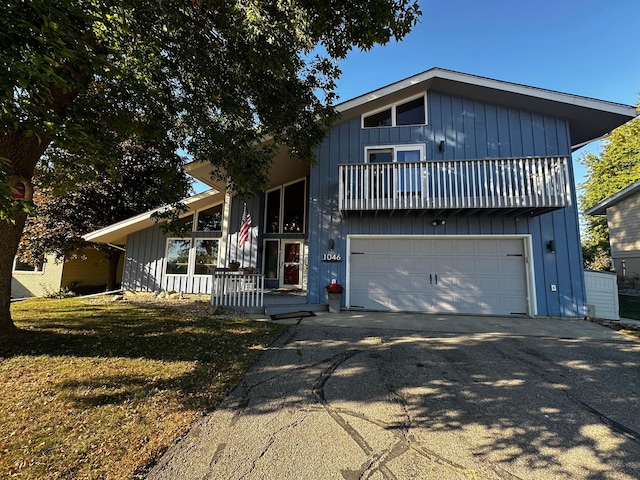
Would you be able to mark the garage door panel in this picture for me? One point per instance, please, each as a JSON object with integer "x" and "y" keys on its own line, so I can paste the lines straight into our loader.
{"x": 420, "y": 283}
{"x": 512, "y": 266}
{"x": 400, "y": 246}
{"x": 380, "y": 247}
{"x": 458, "y": 275}
{"x": 442, "y": 247}
{"x": 464, "y": 247}
{"x": 411, "y": 302}
{"x": 421, "y": 246}
{"x": 490, "y": 266}
{"x": 380, "y": 265}
{"x": 487, "y": 247}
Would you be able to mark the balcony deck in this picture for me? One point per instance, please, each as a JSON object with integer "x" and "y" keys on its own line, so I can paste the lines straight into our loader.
{"x": 512, "y": 186}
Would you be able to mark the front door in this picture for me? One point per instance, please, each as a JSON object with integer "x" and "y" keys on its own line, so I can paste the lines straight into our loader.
{"x": 283, "y": 262}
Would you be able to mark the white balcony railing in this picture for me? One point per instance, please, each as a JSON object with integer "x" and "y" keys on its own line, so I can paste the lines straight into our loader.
{"x": 235, "y": 289}
{"x": 509, "y": 183}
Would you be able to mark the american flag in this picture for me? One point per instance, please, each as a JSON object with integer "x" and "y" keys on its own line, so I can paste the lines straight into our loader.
{"x": 243, "y": 236}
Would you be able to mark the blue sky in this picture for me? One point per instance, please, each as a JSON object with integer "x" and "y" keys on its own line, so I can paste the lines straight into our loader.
{"x": 586, "y": 47}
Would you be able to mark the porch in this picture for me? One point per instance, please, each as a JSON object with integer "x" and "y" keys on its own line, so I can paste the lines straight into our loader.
{"x": 246, "y": 292}
{"x": 512, "y": 186}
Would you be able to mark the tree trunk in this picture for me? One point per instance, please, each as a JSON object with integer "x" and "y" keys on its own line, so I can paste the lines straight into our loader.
{"x": 23, "y": 153}
{"x": 9, "y": 237}
{"x": 114, "y": 259}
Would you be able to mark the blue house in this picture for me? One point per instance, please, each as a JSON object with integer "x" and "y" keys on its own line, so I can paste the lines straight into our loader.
{"x": 444, "y": 192}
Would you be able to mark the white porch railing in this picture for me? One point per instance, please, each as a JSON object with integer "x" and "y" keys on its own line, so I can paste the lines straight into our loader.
{"x": 236, "y": 289}
{"x": 527, "y": 182}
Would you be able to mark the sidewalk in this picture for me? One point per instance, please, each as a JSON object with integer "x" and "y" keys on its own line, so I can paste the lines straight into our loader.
{"x": 459, "y": 324}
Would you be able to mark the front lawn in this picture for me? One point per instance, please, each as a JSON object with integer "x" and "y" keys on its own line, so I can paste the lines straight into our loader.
{"x": 629, "y": 306}
{"x": 100, "y": 391}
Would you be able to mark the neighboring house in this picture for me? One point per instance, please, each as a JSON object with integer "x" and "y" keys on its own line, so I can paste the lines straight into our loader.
{"x": 36, "y": 279}
{"x": 444, "y": 192}
{"x": 622, "y": 210}
{"x": 85, "y": 271}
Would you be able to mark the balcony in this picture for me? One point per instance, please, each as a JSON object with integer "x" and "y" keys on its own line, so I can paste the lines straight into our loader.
{"x": 505, "y": 186}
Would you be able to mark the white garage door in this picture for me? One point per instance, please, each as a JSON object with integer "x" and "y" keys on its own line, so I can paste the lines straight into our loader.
{"x": 445, "y": 274}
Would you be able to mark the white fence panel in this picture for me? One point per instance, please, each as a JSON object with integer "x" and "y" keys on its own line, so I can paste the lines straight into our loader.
{"x": 602, "y": 295}
{"x": 241, "y": 290}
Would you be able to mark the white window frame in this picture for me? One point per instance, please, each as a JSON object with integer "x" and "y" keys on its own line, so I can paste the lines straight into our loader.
{"x": 192, "y": 255}
{"x": 166, "y": 257}
{"x": 393, "y": 107}
{"x": 191, "y": 259}
{"x": 29, "y": 272}
{"x": 404, "y": 147}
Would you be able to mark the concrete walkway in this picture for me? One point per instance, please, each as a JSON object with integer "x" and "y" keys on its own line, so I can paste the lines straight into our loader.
{"x": 362, "y": 395}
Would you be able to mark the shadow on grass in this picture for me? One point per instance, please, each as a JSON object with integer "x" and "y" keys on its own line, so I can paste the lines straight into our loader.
{"x": 217, "y": 350}
{"x": 132, "y": 332}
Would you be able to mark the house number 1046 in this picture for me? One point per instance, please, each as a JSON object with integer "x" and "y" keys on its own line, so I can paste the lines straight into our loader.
{"x": 331, "y": 257}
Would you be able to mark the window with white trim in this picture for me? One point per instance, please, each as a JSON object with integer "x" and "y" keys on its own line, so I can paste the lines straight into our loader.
{"x": 404, "y": 179}
{"x": 395, "y": 153}
{"x": 35, "y": 265}
{"x": 206, "y": 256}
{"x": 407, "y": 112}
{"x": 196, "y": 256}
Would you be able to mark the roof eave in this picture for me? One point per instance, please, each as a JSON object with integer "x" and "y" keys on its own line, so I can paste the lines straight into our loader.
{"x": 601, "y": 208}
{"x": 117, "y": 233}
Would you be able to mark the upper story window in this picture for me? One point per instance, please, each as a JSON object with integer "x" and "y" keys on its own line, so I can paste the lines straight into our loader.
{"x": 285, "y": 209}
{"x": 210, "y": 220}
{"x": 411, "y": 112}
{"x": 395, "y": 153}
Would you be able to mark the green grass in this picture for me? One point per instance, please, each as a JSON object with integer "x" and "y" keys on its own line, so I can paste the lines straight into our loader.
{"x": 100, "y": 391}
{"x": 629, "y": 306}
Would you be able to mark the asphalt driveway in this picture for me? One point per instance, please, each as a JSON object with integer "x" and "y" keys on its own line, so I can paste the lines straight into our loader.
{"x": 378, "y": 396}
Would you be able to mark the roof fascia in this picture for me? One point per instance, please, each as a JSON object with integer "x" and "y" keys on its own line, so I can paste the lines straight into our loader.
{"x": 601, "y": 208}
{"x": 131, "y": 221}
{"x": 486, "y": 82}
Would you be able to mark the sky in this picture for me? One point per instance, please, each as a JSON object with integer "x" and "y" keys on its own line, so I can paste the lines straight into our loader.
{"x": 586, "y": 47}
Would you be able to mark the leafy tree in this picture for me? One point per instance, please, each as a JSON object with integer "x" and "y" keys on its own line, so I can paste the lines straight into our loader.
{"x": 614, "y": 168}
{"x": 143, "y": 179}
{"x": 213, "y": 77}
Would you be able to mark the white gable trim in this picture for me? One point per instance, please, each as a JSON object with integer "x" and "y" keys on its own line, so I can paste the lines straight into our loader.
{"x": 487, "y": 83}
{"x": 114, "y": 232}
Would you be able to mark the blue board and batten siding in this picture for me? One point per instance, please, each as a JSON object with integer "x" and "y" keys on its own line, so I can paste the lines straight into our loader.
{"x": 471, "y": 130}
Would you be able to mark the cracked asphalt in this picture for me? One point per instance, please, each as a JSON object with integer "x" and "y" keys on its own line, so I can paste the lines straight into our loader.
{"x": 486, "y": 399}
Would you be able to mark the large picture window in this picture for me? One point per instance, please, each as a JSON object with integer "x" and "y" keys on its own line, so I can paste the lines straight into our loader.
{"x": 186, "y": 256}
{"x": 206, "y": 256}
{"x": 286, "y": 209}
{"x": 411, "y": 112}
{"x": 178, "y": 256}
